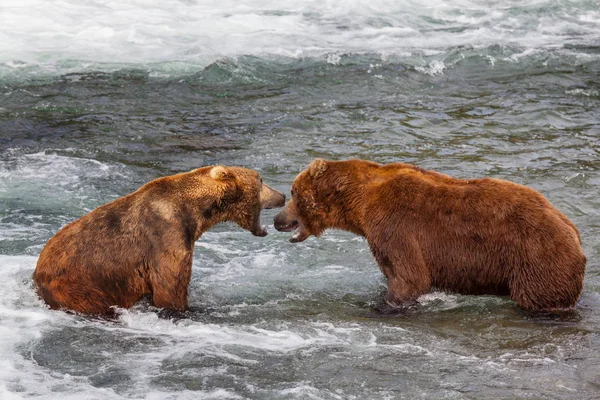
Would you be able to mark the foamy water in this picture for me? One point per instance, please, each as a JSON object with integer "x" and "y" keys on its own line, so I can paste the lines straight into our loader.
{"x": 247, "y": 297}
{"x": 179, "y": 37}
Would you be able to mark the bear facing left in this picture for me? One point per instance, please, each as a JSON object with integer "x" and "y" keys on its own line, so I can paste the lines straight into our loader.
{"x": 142, "y": 244}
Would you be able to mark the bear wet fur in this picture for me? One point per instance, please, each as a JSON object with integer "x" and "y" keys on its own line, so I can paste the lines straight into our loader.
{"x": 428, "y": 230}
{"x": 143, "y": 243}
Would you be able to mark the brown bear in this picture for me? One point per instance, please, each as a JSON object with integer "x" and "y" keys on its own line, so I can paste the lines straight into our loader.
{"x": 142, "y": 244}
{"x": 429, "y": 230}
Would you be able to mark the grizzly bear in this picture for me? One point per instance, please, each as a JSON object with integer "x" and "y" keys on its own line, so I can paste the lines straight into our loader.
{"x": 142, "y": 244}
{"x": 429, "y": 230}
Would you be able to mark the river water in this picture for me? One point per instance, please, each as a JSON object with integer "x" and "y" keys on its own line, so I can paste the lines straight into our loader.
{"x": 99, "y": 97}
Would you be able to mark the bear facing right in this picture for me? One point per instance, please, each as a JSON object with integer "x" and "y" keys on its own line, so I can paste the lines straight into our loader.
{"x": 429, "y": 230}
{"x": 142, "y": 244}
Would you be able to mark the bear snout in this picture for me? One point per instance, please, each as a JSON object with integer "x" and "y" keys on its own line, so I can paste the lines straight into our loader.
{"x": 271, "y": 198}
{"x": 279, "y": 201}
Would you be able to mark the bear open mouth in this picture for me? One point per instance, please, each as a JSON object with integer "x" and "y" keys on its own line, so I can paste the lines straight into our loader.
{"x": 282, "y": 225}
{"x": 292, "y": 226}
{"x": 300, "y": 235}
{"x": 258, "y": 229}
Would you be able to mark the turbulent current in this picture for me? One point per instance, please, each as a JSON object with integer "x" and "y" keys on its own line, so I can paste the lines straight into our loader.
{"x": 99, "y": 97}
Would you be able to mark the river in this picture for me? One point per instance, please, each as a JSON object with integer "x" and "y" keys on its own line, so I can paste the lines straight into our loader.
{"x": 99, "y": 97}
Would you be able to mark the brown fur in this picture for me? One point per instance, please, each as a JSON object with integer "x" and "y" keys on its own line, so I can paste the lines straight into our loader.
{"x": 426, "y": 229}
{"x": 143, "y": 243}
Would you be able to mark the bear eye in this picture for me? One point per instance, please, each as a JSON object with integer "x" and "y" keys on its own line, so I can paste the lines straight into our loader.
{"x": 293, "y": 193}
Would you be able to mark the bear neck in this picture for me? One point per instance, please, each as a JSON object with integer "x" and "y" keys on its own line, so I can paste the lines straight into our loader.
{"x": 347, "y": 210}
{"x": 196, "y": 204}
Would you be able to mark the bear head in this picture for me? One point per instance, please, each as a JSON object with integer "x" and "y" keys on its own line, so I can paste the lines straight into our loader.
{"x": 318, "y": 200}
{"x": 242, "y": 196}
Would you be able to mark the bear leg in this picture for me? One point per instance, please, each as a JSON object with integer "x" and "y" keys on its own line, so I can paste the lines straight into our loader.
{"x": 406, "y": 271}
{"x": 552, "y": 290}
{"x": 170, "y": 299}
{"x": 400, "y": 292}
{"x": 170, "y": 284}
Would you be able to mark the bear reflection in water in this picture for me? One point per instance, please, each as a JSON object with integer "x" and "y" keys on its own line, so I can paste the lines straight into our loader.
{"x": 429, "y": 230}
{"x": 142, "y": 244}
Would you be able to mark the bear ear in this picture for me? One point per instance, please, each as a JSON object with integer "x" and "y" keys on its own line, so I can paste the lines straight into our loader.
{"x": 317, "y": 167}
{"x": 219, "y": 173}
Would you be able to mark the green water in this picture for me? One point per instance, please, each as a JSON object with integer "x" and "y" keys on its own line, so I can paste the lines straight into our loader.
{"x": 272, "y": 320}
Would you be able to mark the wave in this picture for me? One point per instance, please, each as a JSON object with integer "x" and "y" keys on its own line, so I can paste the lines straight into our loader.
{"x": 470, "y": 61}
{"x": 45, "y": 37}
